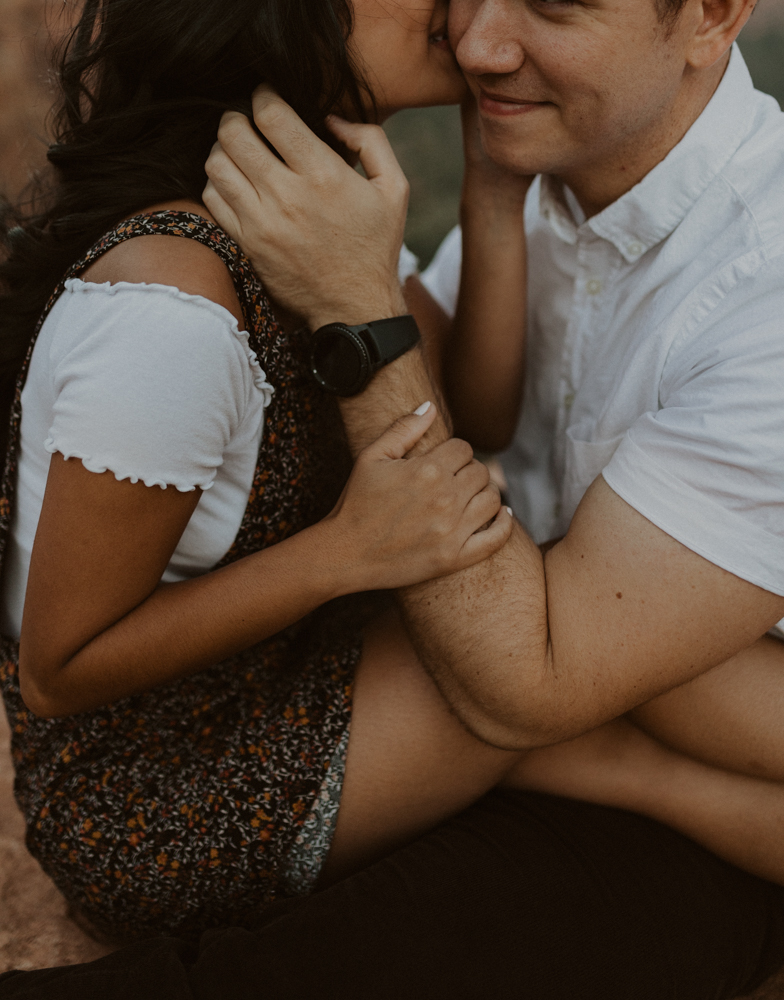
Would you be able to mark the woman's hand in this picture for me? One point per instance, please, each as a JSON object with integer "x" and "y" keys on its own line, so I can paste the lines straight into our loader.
{"x": 404, "y": 520}
{"x": 324, "y": 239}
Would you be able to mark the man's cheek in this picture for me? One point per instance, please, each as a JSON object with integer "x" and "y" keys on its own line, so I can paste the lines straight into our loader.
{"x": 461, "y": 14}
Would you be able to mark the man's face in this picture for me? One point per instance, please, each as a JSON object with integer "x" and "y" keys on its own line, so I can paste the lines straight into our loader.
{"x": 570, "y": 86}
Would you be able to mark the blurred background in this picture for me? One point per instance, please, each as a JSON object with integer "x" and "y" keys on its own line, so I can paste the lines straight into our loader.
{"x": 427, "y": 142}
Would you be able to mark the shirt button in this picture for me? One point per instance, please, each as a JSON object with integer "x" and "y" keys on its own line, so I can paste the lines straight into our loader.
{"x": 593, "y": 287}
{"x": 635, "y": 249}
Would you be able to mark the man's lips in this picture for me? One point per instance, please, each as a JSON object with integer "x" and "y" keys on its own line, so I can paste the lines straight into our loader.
{"x": 503, "y": 105}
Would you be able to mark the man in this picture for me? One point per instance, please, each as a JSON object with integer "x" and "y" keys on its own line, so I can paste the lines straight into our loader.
{"x": 652, "y": 428}
{"x": 531, "y": 649}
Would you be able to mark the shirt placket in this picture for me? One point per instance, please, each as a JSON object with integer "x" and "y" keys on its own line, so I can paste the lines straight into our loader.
{"x": 591, "y": 283}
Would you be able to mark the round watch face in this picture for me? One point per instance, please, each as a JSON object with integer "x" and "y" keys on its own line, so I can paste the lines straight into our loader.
{"x": 340, "y": 361}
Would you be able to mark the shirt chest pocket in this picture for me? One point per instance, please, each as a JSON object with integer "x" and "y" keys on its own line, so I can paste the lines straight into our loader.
{"x": 584, "y": 461}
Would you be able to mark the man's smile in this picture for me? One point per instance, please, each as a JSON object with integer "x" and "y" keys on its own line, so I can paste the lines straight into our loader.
{"x": 504, "y": 105}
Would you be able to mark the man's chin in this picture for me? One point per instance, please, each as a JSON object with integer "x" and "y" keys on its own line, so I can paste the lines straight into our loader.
{"x": 517, "y": 161}
{"x": 518, "y": 154}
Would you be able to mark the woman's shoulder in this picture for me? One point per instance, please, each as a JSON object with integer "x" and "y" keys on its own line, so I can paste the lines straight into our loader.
{"x": 179, "y": 262}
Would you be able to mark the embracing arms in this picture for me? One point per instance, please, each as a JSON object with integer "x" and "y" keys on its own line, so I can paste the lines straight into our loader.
{"x": 98, "y": 625}
{"x": 527, "y": 649}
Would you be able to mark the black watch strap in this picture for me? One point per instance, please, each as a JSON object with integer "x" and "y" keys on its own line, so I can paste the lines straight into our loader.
{"x": 391, "y": 338}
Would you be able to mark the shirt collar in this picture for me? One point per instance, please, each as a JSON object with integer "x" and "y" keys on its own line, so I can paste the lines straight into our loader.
{"x": 653, "y": 208}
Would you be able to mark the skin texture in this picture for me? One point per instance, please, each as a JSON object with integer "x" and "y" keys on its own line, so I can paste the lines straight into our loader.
{"x": 529, "y": 650}
{"x": 594, "y": 92}
{"x": 403, "y": 52}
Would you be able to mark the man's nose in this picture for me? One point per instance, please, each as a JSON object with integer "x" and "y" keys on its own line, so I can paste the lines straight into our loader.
{"x": 483, "y": 34}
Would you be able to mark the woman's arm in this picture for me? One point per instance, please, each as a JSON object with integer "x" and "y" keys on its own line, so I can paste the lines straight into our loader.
{"x": 484, "y": 358}
{"x": 98, "y": 625}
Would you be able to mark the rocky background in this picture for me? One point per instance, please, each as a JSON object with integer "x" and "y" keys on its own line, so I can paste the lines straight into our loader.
{"x": 35, "y": 929}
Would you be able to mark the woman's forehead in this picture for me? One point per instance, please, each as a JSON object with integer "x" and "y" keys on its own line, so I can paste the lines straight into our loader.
{"x": 417, "y": 12}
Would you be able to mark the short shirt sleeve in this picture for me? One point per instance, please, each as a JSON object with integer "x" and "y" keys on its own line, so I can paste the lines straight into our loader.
{"x": 708, "y": 466}
{"x": 442, "y": 277}
{"x": 149, "y": 383}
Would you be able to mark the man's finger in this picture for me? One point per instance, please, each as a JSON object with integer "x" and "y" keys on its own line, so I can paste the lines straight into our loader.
{"x": 221, "y": 211}
{"x": 401, "y": 437}
{"x": 371, "y": 144}
{"x": 230, "y": 181}
{"x": 279, "y": 123}
{"x": 246, "y": 149}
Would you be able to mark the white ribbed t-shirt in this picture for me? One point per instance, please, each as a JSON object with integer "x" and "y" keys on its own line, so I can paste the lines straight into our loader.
{"x": 154, "y": 385}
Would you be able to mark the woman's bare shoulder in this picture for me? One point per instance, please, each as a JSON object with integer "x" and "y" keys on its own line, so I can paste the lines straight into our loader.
{"x": 170, "y": 260}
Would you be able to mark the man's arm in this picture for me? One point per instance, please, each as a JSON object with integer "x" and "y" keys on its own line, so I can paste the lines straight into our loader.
{"x": 484, "y": 361}
{"x": 527, "y": 649}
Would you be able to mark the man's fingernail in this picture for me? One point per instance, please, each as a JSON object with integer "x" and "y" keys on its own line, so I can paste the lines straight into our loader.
{"x": 420, "y": 411}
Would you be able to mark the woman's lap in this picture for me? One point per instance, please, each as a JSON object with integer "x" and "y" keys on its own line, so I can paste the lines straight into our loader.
{"x": 410, "y": 764}
{"x": 522, "y": 895}
{"x": 177, "y": 811}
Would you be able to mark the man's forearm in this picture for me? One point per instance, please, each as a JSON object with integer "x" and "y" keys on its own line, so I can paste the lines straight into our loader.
{"x": 479, "y": 630}
{"x": 484, "y": 363}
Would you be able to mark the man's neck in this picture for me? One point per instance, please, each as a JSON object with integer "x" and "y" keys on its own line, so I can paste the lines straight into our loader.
{"x": 599, "y": 184}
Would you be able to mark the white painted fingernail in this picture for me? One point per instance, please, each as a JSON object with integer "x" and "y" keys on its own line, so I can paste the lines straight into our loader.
{"x": 420, "y": 411}
{"x": 511, "y": 512}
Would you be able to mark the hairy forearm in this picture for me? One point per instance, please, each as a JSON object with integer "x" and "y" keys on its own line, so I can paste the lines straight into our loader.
{"x": 397, "y": 389}
{"x": 484, "y": 361}
{"x": 185, "y": 627}
{"x": 482, "y": 632}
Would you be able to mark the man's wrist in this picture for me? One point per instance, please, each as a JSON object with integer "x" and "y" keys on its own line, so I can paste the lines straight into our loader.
{"x": 359, "y": 311}
{"x": 504, "y": 196}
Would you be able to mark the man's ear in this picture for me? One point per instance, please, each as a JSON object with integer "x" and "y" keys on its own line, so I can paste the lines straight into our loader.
{"x": 718, "y": 24}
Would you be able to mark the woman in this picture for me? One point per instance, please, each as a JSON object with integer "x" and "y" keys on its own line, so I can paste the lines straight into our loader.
{"x": 163, "y": 792}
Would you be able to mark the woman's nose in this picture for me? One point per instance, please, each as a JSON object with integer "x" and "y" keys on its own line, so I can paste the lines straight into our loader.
{"x": 483, "y": 36}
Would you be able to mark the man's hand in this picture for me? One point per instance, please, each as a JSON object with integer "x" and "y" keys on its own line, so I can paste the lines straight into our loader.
{"x": 485, "y": 182}
{"x": 309, "y": 214}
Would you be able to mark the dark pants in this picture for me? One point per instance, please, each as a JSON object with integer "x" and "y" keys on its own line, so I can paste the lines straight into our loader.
{"x": 522, "y": 896}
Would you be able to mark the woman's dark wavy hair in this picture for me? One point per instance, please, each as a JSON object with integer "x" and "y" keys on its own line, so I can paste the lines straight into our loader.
{"x": 143, "y": 86}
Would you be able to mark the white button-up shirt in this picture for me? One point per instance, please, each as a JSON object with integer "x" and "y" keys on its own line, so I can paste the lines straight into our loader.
{"x": 655, "y": 350}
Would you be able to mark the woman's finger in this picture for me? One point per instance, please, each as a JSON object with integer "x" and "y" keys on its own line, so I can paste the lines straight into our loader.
{"x": 482, "y": 508}
{"x": 482, "y": 544}
{"x": 453, "y": 455}
{"x": 472, "y": 478}
{"x": 401, "y": 437}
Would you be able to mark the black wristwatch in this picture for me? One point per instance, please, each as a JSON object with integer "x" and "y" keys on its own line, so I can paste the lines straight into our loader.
{"x": 344, "y": 358}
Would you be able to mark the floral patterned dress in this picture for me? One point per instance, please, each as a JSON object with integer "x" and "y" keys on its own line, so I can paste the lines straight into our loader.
{"x": 198, "y": 803}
